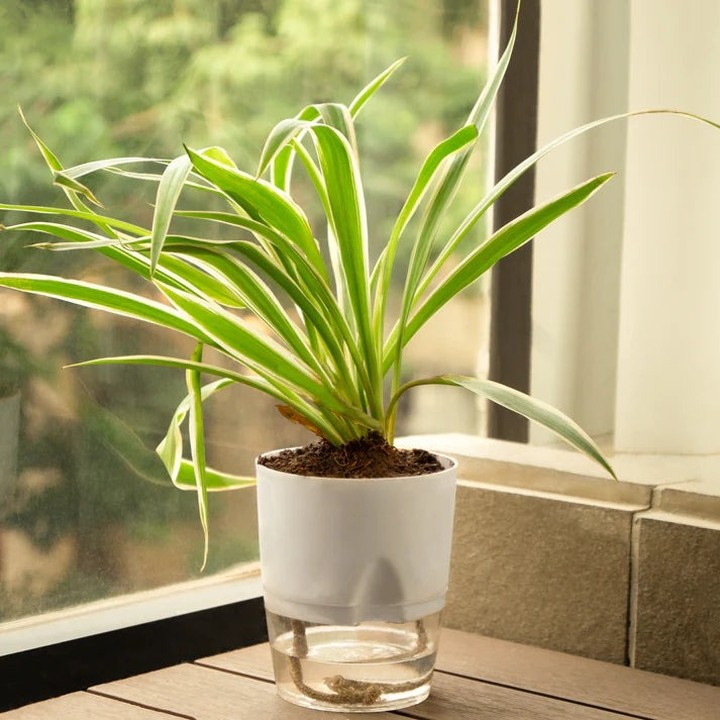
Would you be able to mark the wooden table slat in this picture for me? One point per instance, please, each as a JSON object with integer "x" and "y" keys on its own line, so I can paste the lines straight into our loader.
{"x": 452, "y": 697}
{"x": 83, "y": 706}
{"x": 208, "y": 694}
{"x": 463, "y": 699}
{"x": 613, "y": 687}
{"x": 254, "y": 661}
{"x": 478, "y": 679}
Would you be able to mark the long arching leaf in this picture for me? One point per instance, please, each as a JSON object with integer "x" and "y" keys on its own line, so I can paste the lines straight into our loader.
{"x": 372, "y": 87}
{"x": 170, "y": 448}
{"x": 348, "y": 222}
{"x": 100, "y": 297}
{"x": 297, "y": 277}
{"x": 171, "y": 270}
{"x": 262, "y": 355}
{"x": 383, "y": 269}
{"x": 168, "y": 192}
{"x": 277, "y": 390}
{"x": 108, "y": 164}
{"x": 442, "y": 197}
{"x": 510, "y": 237}
{"x": 506, "y": 182}
{"x": 262, "y": 201}
{"x": 256, "y": 296}
{"x": 79, "y": 214}
{"x": 197, "y": 446}
{"x": 523, "y": 404}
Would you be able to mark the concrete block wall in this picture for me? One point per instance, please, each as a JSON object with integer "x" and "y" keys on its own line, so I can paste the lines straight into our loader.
{"x": 549, "y": 552}
{"x": 675, "y": 594}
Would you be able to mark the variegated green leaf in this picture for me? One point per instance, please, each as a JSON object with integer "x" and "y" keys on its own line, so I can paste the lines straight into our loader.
{"x": 168, "y": 192}
{"x": 197, "y": 445}
{"x": 100, "y": 297}
{"x": 278, "y": 139}
{"x": 263, "y": 202}
{"x": 372, "y": 87}
{"x": 510, "y": 237}
{"x": 170, "y": 448}
{"x": 79, "y": 214}
{"x": 524, "y": 405}
{"x": 215, "y": 480}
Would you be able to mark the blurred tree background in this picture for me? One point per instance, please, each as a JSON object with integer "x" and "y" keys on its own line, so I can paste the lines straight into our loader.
{"x": 105, "y": 78}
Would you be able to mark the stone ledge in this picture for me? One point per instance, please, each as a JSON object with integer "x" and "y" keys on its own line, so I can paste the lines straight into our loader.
{"x": 542, "y": 569}
{"x": 544, "y": 469}
{"x": 698, "y": 499}
{"x": 675, "y": 599}
{"x": 548, "y": 551}
{"x": 682, "y": 484}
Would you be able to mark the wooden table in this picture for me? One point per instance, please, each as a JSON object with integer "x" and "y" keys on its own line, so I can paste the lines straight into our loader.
{"x": 477, "y": 679}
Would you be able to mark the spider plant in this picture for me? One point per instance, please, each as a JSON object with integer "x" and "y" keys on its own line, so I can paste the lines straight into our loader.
{"x": 330, "y": 360}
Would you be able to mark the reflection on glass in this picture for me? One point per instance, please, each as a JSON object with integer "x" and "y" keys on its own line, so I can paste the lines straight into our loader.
{"x": 85, "y": 509}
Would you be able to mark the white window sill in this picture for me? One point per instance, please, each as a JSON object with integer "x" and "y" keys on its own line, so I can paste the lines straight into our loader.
{"x": 231, "y": 586}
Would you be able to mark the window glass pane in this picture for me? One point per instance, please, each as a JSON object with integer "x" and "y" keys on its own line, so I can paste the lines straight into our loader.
{"x": 85, "y": 509}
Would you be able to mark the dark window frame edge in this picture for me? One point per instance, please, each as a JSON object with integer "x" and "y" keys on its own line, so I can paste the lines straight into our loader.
{"x": 45, "y": 672}
{"x": 511, "y": 285}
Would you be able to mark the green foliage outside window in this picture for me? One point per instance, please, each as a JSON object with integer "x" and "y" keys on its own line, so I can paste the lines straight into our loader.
{"x": 129, "y": 77}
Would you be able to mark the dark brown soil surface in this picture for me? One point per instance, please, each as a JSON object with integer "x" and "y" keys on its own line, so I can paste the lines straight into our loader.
{"x": 369, "y": 457}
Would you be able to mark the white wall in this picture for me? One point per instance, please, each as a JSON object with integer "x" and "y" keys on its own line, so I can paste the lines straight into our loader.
{"x": 583, "y": 76}
{"x": 668, "y": 391}
{"x": 626, "y": 302}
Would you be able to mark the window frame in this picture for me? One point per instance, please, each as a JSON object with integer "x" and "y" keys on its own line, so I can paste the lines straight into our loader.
{"x": 511, "y": 285}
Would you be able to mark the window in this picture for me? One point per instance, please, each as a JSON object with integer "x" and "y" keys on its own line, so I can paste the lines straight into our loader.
{"x": 79, "y": 520}
{"x": 624, "y": 304}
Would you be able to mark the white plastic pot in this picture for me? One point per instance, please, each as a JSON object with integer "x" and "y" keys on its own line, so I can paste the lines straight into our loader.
{"x": 345, "y": 551}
